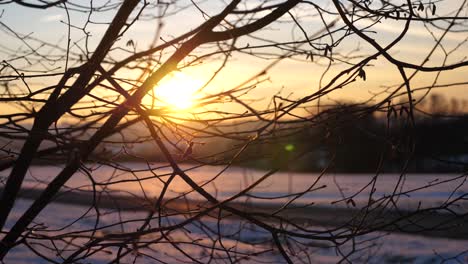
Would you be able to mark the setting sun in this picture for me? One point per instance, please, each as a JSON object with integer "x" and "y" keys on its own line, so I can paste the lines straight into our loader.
{"x": 178, "y": 91}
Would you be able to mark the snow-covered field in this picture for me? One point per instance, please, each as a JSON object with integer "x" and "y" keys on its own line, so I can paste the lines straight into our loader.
{"x": 240, "y": 236}
{"x": 376, "y": 248}
{"x": 427, "y": 189}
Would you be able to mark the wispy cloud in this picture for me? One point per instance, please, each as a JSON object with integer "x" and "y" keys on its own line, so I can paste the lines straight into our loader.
{"x": 52, "y": 18}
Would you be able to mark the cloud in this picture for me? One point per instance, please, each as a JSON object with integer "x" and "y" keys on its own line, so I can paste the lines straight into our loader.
{"x": 52, "y": 18}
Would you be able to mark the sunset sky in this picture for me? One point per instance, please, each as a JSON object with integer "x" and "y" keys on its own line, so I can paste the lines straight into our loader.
{"x": 289, "y": 77}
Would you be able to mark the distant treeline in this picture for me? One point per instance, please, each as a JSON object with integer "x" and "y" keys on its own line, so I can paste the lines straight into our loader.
{"x": 352, "y": 139}
{"x": 346, "y": 138}
{"x": 349, "y": 138}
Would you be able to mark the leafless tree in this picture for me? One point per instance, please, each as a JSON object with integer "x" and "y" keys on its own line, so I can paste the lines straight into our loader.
{"x": 84, "y": 100}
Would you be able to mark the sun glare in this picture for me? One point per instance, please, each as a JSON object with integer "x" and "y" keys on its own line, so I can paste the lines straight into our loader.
{"x": 178, "y": 91}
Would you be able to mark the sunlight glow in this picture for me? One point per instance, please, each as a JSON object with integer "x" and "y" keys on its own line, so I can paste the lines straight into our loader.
{"x": 179, "y": 91}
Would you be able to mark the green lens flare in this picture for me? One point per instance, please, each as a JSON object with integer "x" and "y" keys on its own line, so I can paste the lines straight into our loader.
{"x": 289, "y": 147}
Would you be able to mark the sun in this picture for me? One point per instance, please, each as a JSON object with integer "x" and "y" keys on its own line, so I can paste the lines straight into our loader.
{"x": 178, "y": 91}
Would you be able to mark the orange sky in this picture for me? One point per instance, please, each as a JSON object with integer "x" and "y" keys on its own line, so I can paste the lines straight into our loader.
{"x": 289, "y": 77}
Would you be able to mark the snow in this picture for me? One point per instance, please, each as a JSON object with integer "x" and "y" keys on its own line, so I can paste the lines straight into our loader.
{"x": 239, "y": 237}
